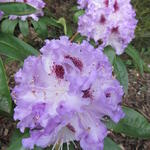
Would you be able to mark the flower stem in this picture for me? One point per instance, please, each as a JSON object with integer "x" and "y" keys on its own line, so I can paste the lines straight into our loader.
{"x": 73, "y": 37}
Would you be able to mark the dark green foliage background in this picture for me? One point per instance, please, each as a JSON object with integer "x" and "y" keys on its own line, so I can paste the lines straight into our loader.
{"x": 142, "y": 33}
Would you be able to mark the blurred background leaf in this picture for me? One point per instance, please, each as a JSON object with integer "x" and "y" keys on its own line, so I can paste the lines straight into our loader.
{"x": 14, "y": 8}
{"x": 8, "y": 26}
{"x": 134, "y": 54}
{"x": 62, "y": 21}
{"x": 24, "y": 27}
{"x": 109, "y": 144}
{"x": 16, "y": 140}
{"x": 5, "y": 97}
{"x": 142, "y": 33}
{"x": 15, "y": 48}
{"x": 41, "y": 28}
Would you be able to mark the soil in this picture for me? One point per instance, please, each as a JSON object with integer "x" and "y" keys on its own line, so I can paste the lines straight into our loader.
{"x": 138, "y": 96}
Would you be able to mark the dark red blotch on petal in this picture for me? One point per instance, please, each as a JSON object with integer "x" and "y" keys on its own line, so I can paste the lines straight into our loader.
{"x": 59, "y": 71}
{"x": 71, "y": 128}
{"x": 114, "y": 30}
{"x": 25, "y": 1}
{"x": 108, "y": 95}
{"x": 102, "y": 19}
{"x": 106, "y": 3}
{"x": 116, "y": 7}
{"x": 87, "y": 93}
{"x": 76, "y": 61}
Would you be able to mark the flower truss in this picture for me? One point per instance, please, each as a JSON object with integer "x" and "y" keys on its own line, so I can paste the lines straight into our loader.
{"x": 38, "y": 4}
{"x": 63, "y": 94}
{"x": 112, "y": 22}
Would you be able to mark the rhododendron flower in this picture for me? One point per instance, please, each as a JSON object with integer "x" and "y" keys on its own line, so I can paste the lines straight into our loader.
{"x": 37, "y": 4}
{"x": 63, "y": 94}
{"x": 110, "y": 21}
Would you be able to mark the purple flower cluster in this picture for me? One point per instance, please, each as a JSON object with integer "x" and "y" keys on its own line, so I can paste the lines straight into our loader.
{"x": 63, "y": 94}
{"x": 38, "y": 4}
{"x": 111, "y": 22}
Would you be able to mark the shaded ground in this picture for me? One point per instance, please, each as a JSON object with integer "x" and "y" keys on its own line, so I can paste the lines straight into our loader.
{"x": 6, "y": 128}
{"x": 137, "y": 98}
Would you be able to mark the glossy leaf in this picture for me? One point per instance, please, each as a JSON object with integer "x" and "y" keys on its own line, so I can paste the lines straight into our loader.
{"x": 15, "y": 48}
{"x": 134, "y": 125}
{"x": 121, "y": 73}
{"x": 109, "y": 144}
{"x": 41, "y": 28}
{"x": 24, "y": 27}
{"x": 110, "y": 54}
{"x": 5, "y": 98}
{"x": 16, "y": 140}
{"x": 62, "y": 21}
{"x": 14, "y": 8}
{"x": 50, "y": 22}
{"x": 133, "y": 53}
{"x": 8, "y": 26}
{"x": 69, "y": 31}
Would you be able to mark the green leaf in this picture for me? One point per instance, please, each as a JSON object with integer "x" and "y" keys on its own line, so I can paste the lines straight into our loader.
{"x": 8, "y": 60}
{"x": 110, "y": 54}
{"x": 146, "y": 68}
{"x": 133, "y": 53}
{"x": 79, "y": 38}
{"x": 16, "y": 140}
{"x": 5, "y": 98}
{"x": 69, "y": 31}
{"x": 62, "y": 21}
{"x": 77, "y": 15}
{"x": 15, "y": 48}
{"x": 134, "y": 125}
{"x": 14, "y": 8}
{"x": 121, "y": 73}
{"x": 24, "y": 27}
{"x": 41, "y": 28}
{"x": 8, "y": 26}
{"x": 74, "y": 9}
{"x": 93, "y": 43}
{"x": 110, "y": 145}
{"x": 50, "y": 22}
